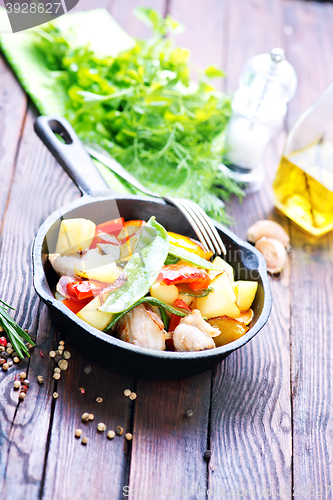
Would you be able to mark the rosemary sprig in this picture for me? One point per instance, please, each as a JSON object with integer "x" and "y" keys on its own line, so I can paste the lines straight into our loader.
{"x": 14, "y": 331}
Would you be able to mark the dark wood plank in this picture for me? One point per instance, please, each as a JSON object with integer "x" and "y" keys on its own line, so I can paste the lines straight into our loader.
{"x": 310, "y": 46}
{"x": 168, "y": 447}
{"x": 251, "y": 415}
{"x": 13, "y": 105}
{"x": 39, "y": 188}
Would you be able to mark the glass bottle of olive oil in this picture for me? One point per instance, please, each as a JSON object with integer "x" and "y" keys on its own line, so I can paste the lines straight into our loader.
{"x": 303, "y": 186}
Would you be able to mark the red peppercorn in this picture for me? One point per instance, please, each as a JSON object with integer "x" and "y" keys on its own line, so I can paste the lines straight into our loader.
{"x": 23, "y": 388}
{"x": 3, "y": 341}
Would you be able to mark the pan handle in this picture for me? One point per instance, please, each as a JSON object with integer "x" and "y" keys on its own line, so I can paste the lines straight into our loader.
{"x": 69, "y": 152}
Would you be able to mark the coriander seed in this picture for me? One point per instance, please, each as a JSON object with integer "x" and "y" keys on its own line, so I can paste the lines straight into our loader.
{"x": 85, "y": 417}
{"x": 22, "y": 395}
{"x": 61, "y": 342}
{"x": 101, "y": 427}
{"x": 119, "y": 430}
{"x": 111, "y": 434}
{"x": 66, "y": 355}
{"x": 52, "y": 354}
{"x": 63, "y": 364}
{"x": 189, "y": 414}
{"x": 16, "y": 359}
{"x": 40, "y": 379}
{"x": 99, "y": 400}
{"x": 57, "y": 370}
{"x": 127, "y": 392}
{"x": 2, "y": 348}
{"x": 1, "y": 328}
{"x": 91, "y": 416}
{"x": 78, "y": 433}
{"x": 84, "y": 440}
{"x": 5, "y": 366}
{"x": 55, "y": 395}
{"x": 56, "y": 376}
{"x": 133, "y": 396}
{"x": 10, "y": 350}
{"x": 128, "y": 436}
{"x": 17, "y": 384}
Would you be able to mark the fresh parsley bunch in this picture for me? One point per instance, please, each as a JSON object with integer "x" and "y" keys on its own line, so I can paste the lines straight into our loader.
{"x": 142, "y": 107}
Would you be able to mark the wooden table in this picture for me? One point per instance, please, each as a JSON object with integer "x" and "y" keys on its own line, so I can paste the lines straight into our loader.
{"x": 266, "y": 412}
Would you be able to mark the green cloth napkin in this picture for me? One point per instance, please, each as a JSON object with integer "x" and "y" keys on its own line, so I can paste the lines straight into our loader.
{"x": 96, "y": 28}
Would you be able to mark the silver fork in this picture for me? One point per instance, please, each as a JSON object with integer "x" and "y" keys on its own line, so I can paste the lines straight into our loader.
{"x": 202, "y": 225}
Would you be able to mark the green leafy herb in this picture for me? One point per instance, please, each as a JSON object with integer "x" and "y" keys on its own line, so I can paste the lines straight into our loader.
{"x": 14, "y": 331}
{"x": 142, "y": 107}
{"x": 183, "y": 254}
{"x": 185, "y": 290}
{"x": 150, "y": 300}
{"x": 142, "y": 269}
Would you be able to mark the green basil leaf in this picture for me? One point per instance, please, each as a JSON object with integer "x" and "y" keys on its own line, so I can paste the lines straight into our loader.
{"x": 142, "y": 269}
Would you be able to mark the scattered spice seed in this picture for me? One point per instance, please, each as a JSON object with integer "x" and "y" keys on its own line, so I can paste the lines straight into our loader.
{"x": 5, "y": 366}
{"x": 85, "y": 417}
{"x": 87, "y": 369}
{"x": 52, "y": 354}
{"x": 84, "y": 440}
{"x": 207, "y": 454}
{"x": 91, "y": 416}
{"x": 57, "y": 370}
{"x": 16, "y": 359}
{"x": 10, "y": 350}
{"x": 56, "y": 376}
{"x": 23, "y": 375}
{"x": 63, "y": 364}
{"x": 14, "y": 354}
{"x": 2, "y": 361}
{"x": 82, "y": 390}
{"x": 24, "y": 388}
{"x": 30, "y": 346}
{"x": 119, "y": 430}
{"x": 22, "y": 395}
{"x": 2, "y": 348}
{"x": 1, "y": 328}
{"x": 189, "y": 414}
{"x": 111, "y": 434}
{"x": 78, "y": 433}
{"x": 128, "y": 436}
{"x": 41, "y": 353}
{"x": 10, "y": 345}
{"x": 57, "y": 357}
{"x": 26, "y": 382}
{"x": 67, "y": 355}
{"x": 61, "y": 342}
{"x": 127, "y": 392}
{"x": 101, "y": 427}
{"x": 10, "y": 362}
{"x": 132, "y": 396}
{"x": 17, "y": 384}
{"x": 99, "y": 400}
{"x": 55, "y": 395}
{"x": 40, "y": 379}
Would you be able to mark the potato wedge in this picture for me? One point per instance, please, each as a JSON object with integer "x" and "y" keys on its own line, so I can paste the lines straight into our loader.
{"x": 245, "y": 293}
{"x": 230, "y": 329}
{"x": 167, "y": 293}
{"x": 224, "y": 266}
{"x": 245, "y": 317}
{"x": 90, "y": 314}
{"x": 74, "y": 236}
{"x": 220, "y": 302}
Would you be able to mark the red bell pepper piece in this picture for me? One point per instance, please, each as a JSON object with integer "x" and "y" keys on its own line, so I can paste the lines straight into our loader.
{"x": 174, "y": 319}
{"x": 112, "y": 227}
{"x": 81, "y": 290}
{"x": 175, "y": 274}
{"x": 74, "y": 305}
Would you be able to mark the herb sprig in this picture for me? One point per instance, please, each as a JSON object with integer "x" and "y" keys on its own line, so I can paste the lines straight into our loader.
{"x": 15, "y": 333}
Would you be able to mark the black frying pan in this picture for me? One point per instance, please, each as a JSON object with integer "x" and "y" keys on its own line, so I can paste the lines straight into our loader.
{"x": 98, "y": 204}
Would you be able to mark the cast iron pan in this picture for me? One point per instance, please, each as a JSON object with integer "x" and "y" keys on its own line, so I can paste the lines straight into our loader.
{"x": 98, "y": 204}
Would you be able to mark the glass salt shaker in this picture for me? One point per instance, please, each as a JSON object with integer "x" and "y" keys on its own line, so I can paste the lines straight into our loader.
{"x": 267, "y": 83}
